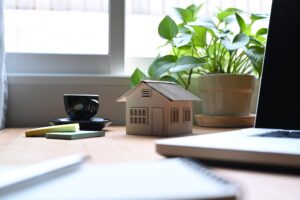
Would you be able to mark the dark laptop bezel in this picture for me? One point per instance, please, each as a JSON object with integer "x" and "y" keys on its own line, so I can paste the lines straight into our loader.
{"x": 279, "y": 96}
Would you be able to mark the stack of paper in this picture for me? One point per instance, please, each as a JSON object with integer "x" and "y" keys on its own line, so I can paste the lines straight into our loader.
{"x": 165, "y": 179}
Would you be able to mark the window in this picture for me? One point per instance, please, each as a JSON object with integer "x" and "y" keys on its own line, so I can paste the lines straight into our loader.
{"x": 56, "y": 37}
{"x": 146, "y": 92}
{"x": 67, "y": 27}
{"x": 138, "y": 116}
{"x": 186, "y": 114}
{"x": 174, "y": 115}
{"x": 98, "y": 47}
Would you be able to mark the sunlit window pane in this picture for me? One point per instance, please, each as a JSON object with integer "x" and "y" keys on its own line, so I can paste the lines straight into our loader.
{"x": 57, "y": 26}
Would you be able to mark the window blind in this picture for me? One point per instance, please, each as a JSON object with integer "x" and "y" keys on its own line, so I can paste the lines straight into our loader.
{"x": 134, "y": 6}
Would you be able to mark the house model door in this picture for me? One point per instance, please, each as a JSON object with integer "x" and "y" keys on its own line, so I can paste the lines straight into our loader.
{"x": 157, "y": 121}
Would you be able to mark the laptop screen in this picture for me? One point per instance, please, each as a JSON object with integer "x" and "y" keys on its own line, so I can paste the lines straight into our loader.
{"x": 279, "y": 98}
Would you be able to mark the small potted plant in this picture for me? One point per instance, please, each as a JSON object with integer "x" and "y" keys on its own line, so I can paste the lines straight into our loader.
{"x": 223, "y": 50}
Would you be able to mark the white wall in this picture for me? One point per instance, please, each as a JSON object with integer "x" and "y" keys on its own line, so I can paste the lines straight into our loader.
{"x": 34, "y": 100}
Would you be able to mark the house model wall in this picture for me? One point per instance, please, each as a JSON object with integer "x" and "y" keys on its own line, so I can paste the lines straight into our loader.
{"x": 158, "y": 108}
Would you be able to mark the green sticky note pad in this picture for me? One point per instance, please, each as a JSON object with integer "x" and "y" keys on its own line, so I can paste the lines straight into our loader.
{"x": 58, "y": 128}
{"x": 74, "y": 135}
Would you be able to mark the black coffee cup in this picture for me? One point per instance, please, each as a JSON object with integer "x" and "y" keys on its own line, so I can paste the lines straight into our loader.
{"x": 81, "y": 106}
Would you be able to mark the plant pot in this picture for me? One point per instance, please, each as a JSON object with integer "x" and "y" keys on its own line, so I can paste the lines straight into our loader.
{"x": 255, "y": 97}
{"x": 226, "y": 94}
{"x": 194, "y": 89}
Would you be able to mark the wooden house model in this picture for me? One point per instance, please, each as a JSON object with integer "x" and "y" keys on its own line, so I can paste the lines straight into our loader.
{"x": 158, "y": 108}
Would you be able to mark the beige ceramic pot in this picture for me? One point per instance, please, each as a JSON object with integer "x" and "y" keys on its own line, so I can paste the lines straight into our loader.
{"x": 255, "y": 96}
{"x": 226, "y": 94}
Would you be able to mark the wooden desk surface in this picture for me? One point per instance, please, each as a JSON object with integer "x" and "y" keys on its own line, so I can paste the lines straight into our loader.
{"x": 116, "y": 146}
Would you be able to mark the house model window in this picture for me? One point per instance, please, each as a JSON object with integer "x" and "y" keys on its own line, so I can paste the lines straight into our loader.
{"x": 186, "y": 114}
{"x": 138, "y": 116}
{"x": 174, "y": 115}
{"x": 146, "y": 93}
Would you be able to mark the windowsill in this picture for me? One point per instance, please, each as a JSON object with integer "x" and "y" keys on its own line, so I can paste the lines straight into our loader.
{"x": 68, "y": 79}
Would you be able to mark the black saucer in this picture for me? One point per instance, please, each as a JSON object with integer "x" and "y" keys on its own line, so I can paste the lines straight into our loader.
{"x": 94, "y": 124}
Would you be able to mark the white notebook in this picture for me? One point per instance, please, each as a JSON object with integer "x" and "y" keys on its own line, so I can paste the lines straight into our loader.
{"x": 176, "y": 178}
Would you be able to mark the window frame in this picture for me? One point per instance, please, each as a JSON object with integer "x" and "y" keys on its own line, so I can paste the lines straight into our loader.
{"x": 186, "y": 114}
{"x": 111, "y": 63}
{"x": 138, "y": 115}
{"x": 174, "y": 118}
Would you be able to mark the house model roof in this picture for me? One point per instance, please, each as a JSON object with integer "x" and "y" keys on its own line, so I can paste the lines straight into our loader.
{"x": 170, "y": 90}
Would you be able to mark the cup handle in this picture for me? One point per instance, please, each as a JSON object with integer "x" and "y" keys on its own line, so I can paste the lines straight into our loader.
{"x": 94, "y": 105}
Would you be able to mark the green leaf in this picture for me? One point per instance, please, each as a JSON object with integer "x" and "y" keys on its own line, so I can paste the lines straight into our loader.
{"x": 199, "y": 36}
{"x": 162, "y": 65}
{"x": 239, "y": 41}
{"x": 256, "y": 56}
{"x": 167, "y": 28}
{"x": 230, "y": 19}
{"x": 229, "y": 11}
{"x": 186, "y": 49}
{"x": 262, "y": 31}
{"x": 187, "y": 63}
{"x": 256, "y": 42}
{"x": 220, "y": 34}
{"x": 151, "y": 68}
{"x": 261, "y": 39}
{"x": 169, "y": 78}
{"x": 204, "y": 22}
{"x": 241, "y": 23}
{"x": 255, "y": 17}
{"x": 183, "y": 51}
{"x": 182, "y": 40}
{"x": 194, "y": 10}
{"x": 137, "y": 77}
{"x": 184, "y": 14}
{"x": 183, "y": 29}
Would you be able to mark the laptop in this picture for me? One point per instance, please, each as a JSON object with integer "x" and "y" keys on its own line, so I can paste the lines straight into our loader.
{"x": 275, "y": 138}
